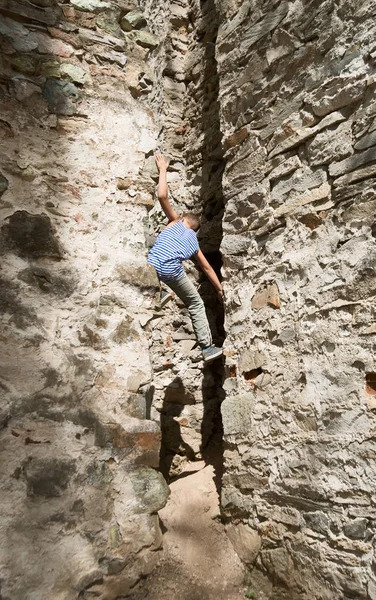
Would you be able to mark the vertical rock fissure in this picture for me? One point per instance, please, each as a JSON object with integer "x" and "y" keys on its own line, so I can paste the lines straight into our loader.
{"x": 211, "y": 198}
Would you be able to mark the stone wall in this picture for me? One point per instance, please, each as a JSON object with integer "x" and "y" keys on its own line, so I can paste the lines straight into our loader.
{"x": 97, "y": 378}
{"x": 266, "y": 111}
{"x": 79, "y": 489}
{"x": 297, "y": 108}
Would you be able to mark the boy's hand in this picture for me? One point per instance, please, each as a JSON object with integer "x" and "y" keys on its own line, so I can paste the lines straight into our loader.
{"x": 162, "y": 164}
{"x": 220, "y": 296}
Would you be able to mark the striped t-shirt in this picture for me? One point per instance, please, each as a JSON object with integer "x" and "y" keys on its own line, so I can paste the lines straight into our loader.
{"x": 173, "y": 245}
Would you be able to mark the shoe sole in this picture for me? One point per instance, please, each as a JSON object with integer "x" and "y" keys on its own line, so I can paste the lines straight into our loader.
{"x": 213, "y": 357}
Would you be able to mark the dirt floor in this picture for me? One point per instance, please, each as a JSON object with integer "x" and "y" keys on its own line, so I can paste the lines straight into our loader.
{"x": 198, "y": 561}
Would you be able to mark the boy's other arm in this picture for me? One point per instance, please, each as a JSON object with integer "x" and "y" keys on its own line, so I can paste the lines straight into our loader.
{"x": 210, "y": 273}
{"x": 162, "y": 165}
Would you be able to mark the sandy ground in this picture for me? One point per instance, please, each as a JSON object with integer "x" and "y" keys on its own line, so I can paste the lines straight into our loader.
{"x": 198, "y": 561}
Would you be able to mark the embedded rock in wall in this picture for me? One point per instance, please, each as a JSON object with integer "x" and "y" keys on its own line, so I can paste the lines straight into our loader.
{"x": 79, "y": 490}
{"x": 297, "y": 111}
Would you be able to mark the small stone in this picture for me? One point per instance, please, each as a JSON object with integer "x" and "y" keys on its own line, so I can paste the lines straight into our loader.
{"x": 52, "y": 46}
{"x": 108, "y": 22}
{"x": 237, "y": 414}
{"x": 186, "y": 346}
{"x": 146, "y": 86}
{"x": 302, "y": 180}
{"x": 317, "y": 521}
{"x": 331, "y": 145}
{"x": 296, "y": 135}
{"x": 151, "y": 490}
{"x": 350, "y": 164}
{"x": 336, "y": 94}
{"x": 50, "y": 69}
{"x": 69, "y": 38}
{"x": 235, "y": 244}
{"x": 320, "y": 193}
{"x": 278, "y": 561}
{"x": 366, "y": 141}
{"x": 125, "y": 331}
{"x": 27, "y": 173}
{"x": 236, "y": 138}
{"x": 89, "y": 38}
{"x": 26, "y": 64}
{"x": 357, "y": 175}
{"x": 133, "y": 20}
{"x": 142, "y": 276}
{"x": 4, "y": 183}
{"x": 285, "y": 168}
{"x": 113, "y": 57}
{"x": 177, "y": 336}
{"x": 246, "y": 541}
{"x": 178, "y": 15}
{"x": 250, "y": 360}
{"x": 262, "y": 380}
{"x": 134, "y": 382}
{"x": 90, "y": 5}
{"x": 74, "y": 73}
{"x": 145, "y": 39}
{"x": 356, "y": 529}
{"x": 270, "y": 295}
{"x": 150, "y": 168}
{"x": 142, "y": 436}
{"x": 61, "y": 96}
{"x": 49, "y": 15}
{"x": 311, "y": 220}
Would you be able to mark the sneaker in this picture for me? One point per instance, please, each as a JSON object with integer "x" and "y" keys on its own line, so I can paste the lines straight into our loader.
{"x": 211, "y": 353}
{"x": 165, "y": 297}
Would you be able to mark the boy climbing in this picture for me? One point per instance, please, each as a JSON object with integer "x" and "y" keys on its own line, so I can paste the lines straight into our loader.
{"x": 176, "y": 243}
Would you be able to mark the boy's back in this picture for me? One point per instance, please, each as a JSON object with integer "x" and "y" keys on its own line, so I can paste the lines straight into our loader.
{"x": 173, "y": 245}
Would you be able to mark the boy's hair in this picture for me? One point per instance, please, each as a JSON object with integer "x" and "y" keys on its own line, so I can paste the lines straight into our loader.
{"x": 193, "y": 220}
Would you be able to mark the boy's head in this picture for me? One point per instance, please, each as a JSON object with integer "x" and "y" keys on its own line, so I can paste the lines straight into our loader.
{"x": 191, "y": 220}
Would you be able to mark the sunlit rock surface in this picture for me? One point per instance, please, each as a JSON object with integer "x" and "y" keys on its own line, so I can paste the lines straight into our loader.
{"x": 297, "y": 114}
{"x": 267, "y": 113}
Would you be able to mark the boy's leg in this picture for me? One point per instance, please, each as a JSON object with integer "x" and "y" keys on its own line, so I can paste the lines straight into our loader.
{"x": 187, "y": 292}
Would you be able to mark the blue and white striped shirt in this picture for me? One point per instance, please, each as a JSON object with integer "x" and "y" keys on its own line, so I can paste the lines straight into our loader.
{"x": 173, "y": 245}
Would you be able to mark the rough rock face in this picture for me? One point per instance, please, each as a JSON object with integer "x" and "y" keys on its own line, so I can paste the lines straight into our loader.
{"x": 79, "y": 489}
{"x": 96, "y": 378}
{"x": 297, "y": 108}
{"x": 267, "y": 112}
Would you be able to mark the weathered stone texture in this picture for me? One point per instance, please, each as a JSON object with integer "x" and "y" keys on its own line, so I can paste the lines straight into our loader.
{"x": 297, "y": 422}
{"x": 267, "y": 113}
{"x": 79, "y": 450}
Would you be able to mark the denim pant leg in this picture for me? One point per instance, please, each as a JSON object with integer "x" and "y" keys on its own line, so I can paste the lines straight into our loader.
{"x": 186, "y": 291}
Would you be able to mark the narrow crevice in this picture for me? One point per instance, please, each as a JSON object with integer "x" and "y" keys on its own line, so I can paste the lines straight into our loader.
{"x": 211, "y": 199}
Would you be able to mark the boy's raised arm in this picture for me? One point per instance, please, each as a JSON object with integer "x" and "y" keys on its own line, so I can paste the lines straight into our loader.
{"x": 162, "y": 165}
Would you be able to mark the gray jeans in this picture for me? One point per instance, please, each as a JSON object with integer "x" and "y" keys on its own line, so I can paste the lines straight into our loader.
{"x": 186, "y": 291}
